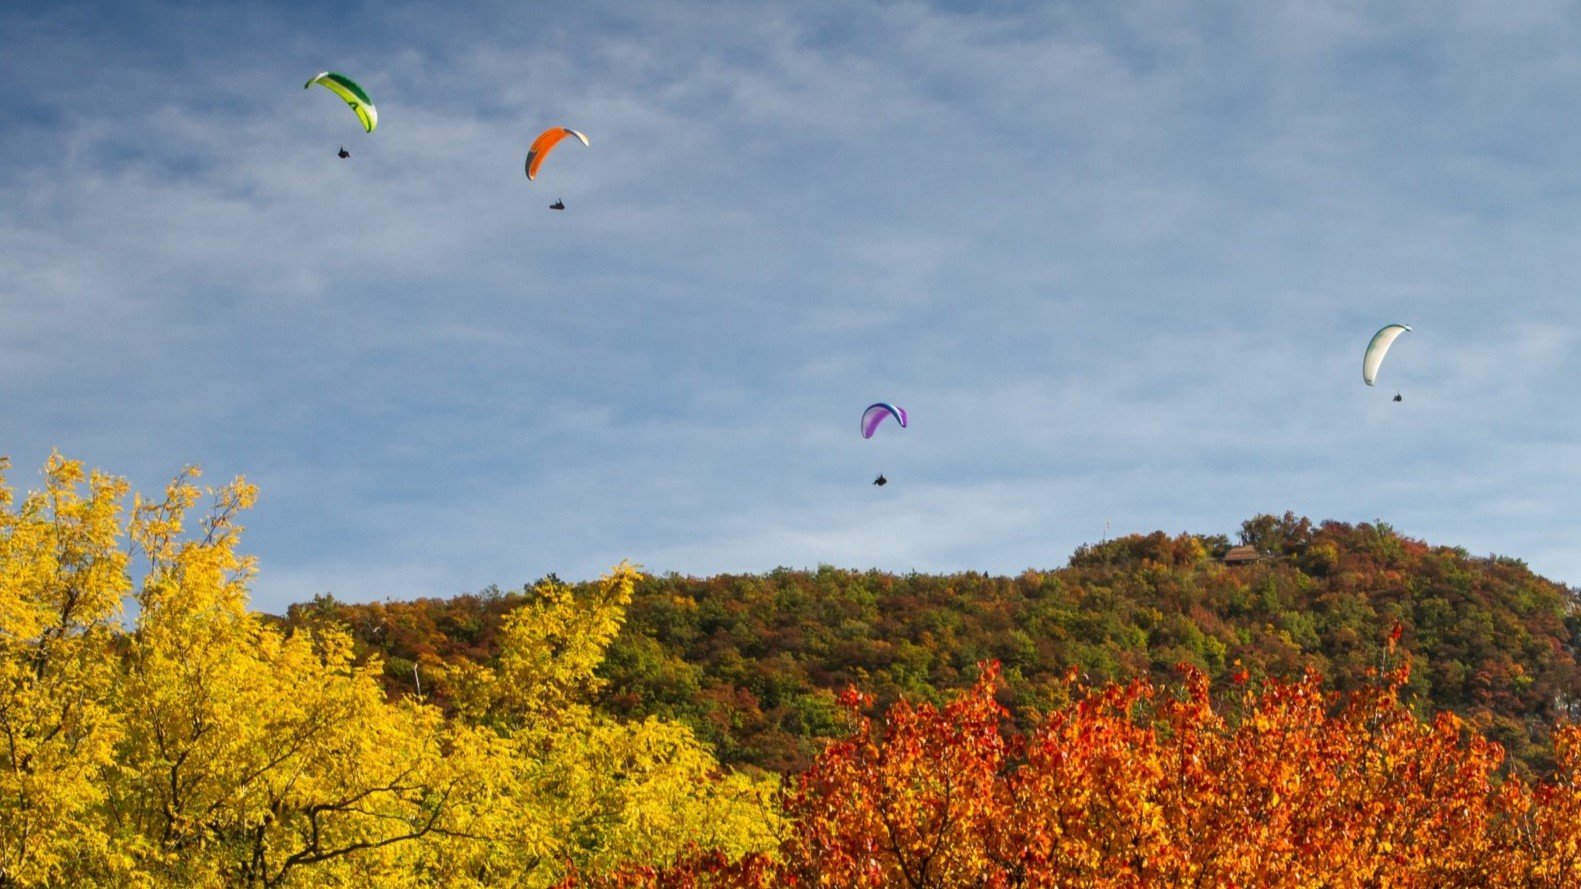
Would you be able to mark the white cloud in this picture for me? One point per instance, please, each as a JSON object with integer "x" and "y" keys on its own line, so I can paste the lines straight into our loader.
{"x": 1118, "y": 262}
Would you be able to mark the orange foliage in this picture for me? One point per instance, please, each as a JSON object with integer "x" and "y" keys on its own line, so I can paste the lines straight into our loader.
{"x": 1138, "y": 786}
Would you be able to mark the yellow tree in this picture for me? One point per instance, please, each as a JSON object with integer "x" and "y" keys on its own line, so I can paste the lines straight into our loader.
{"x": 251, "y": 757}
{"x": 568, "y": 787}
{"x": 206, "y": 747}
{"x": 62, "y": 577}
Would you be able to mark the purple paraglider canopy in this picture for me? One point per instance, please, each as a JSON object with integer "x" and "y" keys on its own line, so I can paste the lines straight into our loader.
{"x": 875, "y": 415}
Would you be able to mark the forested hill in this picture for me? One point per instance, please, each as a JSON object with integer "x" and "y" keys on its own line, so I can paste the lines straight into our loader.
{"x": 754, "y": 662}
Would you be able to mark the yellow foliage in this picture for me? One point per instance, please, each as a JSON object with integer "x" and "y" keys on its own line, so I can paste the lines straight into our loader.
{"x": 563, "y": 785}
{"x": 550, "y": 647}
{"x": 61, "y": 581}
{"x": 206, "y": 747}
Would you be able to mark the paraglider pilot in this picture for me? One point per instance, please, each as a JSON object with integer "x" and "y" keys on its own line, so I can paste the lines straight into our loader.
{"x": 343, "y": 153}
{"x": 557, "y": 205}
{"x": 881, "y": 481}
{"x": 1397, "y": 397}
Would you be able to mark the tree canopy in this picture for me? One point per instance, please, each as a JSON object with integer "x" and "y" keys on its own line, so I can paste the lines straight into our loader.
{"x": 1146, "y": 715}
{"x": 203, "y": 745}
{"x": 753, "y": 663}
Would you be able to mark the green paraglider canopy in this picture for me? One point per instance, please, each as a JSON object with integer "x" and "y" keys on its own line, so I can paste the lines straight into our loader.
{"x": 347, "y": 89}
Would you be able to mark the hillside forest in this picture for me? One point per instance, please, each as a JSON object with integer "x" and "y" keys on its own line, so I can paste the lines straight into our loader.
{"x": 1346, "y": 707}
{"x": 754, "y": 664}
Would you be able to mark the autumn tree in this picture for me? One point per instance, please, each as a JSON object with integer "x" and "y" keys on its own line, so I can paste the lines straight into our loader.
{"x": 62, "y": 576}
{"x": 568, "y": 787}
{"x": 251, "y": 756}
{"x": 207, "y": 746}
{"x": 1140, "y": 785}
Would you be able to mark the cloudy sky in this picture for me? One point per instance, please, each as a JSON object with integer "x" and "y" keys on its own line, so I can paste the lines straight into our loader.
{"x": 1118, "y": 260}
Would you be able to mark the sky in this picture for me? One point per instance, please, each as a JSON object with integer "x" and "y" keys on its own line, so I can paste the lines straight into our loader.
{"x": 1118, "y": 261}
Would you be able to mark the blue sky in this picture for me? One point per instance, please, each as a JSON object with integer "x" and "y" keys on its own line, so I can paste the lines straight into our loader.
{"x": 1118, "y": 261}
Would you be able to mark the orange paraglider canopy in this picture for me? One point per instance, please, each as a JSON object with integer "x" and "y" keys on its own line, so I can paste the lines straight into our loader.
{"x": 545, "y": 143}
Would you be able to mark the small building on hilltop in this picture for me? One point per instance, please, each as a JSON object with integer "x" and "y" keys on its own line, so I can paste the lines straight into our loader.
{"x": 1242, "y": 555}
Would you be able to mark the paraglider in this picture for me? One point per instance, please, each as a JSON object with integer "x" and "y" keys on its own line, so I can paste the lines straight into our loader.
{"x": 343, "y": 153}
{"x": 557, "y": 205}
{"x": 1398, "y": 397}
{"x": 1377, "y": 348}
{"x": 347, "y": 89}
{"x": 545, "y": 143}
{"x": 873, "y": 417}
{"x": 875, "y": 414}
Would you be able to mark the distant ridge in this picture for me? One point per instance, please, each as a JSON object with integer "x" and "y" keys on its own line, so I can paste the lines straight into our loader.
{"x": 753, "y": 662}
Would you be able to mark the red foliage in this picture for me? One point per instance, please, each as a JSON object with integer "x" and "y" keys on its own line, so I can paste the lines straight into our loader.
{"x": 1138, "y": 786}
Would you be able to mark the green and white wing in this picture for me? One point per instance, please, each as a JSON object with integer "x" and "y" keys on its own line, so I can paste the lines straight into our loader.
{"x": 347, "y": 89}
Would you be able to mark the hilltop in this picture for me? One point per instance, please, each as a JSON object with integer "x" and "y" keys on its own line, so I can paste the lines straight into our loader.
{"x": 754, "y": 662}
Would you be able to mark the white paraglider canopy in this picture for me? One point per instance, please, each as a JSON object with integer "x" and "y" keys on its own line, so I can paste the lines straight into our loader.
{"x": 1377, "y": 348}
